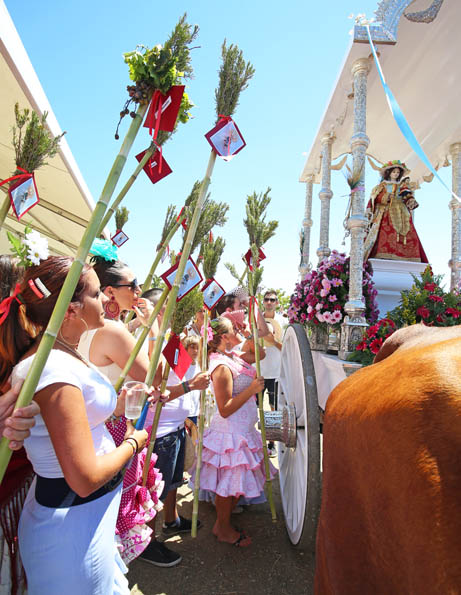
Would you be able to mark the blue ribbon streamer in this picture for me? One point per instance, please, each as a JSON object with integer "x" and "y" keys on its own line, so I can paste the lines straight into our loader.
{"x": 402, "y": 122}
{"x": 142, "y": 418}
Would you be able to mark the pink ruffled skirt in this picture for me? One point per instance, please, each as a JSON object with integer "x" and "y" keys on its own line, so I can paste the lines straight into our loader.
{"x": 233, "y": 464}
{"x": 139, "y": 504}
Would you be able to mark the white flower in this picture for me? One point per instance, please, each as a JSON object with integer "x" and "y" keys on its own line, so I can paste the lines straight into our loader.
{"x": 32, "y": 237}
{"x": 37, "y": 247}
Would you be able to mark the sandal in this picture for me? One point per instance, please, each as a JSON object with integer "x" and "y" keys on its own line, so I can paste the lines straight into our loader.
{"x": 241, "y": 538}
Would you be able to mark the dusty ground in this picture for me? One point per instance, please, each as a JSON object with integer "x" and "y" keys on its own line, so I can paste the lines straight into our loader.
{"x": 271, "y": 565}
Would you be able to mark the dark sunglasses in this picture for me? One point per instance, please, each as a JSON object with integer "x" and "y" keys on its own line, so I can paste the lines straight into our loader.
{"x": 270, "y": 299}
{"x": 133, "y": 285}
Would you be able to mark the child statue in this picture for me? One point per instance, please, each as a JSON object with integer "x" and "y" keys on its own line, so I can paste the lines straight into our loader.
{"x": 391, "y": 232}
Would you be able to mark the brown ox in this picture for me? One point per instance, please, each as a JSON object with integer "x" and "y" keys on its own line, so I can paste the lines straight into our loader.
{"x": 390, "y": 521}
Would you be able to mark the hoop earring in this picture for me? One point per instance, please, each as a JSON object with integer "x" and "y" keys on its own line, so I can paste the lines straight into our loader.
{"x": 84, "y": 335}
{"x": 111, "y": 309}
{"x": 60, "y": 334}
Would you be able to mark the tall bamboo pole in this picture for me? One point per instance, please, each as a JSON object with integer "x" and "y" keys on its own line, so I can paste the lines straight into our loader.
{"x": 68, "y": 288}
{"x": 148, "y": 281}
{"x": 141, "y": 339}
{"x": 201, "y": 427}
{"x": 163, "y": 246}
{"x": 153, "y": 431}
{"x": 154, "y": 360}
{"x": 254, "y": 327}
{"x": 4, "y": 209}
{"x": 111, "y": 210}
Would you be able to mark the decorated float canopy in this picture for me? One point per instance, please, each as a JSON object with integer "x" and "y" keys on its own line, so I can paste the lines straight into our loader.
{"x": 419, "y": 44}
{"x": 65, "y": 201}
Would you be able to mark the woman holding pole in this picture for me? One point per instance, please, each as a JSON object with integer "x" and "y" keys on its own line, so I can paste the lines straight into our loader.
{"x": 67, "y": 527}
{"x": 232, "y": 458}
{"x": 109, "y": 348}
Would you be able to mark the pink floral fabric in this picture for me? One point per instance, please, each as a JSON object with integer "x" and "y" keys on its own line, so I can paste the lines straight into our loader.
{"x": 139, "y": 504}
{"x": 232, "y": 458}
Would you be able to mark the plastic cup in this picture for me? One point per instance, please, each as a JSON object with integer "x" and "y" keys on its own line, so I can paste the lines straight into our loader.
{"x": 134, "y": 398}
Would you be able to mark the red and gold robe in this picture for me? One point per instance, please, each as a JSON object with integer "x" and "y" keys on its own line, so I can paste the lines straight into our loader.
{"x": 392, "y": 234}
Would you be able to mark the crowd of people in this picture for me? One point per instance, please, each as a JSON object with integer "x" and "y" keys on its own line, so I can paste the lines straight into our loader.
{"x": 88, "y": 513}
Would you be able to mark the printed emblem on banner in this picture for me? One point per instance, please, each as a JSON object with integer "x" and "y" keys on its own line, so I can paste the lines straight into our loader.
{"x": 226, "y": 139}
{"x": 190, "y": 279}
{"x": 212, "y": 293}
{"x": 119, "y": 238}
{"x": 23, "y": 196}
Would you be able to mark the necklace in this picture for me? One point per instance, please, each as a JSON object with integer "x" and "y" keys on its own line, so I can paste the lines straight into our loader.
{"x": 74, "y": 352}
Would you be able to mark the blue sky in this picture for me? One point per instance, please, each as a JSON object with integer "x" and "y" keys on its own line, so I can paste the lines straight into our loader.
{"x": 296, "y": 47}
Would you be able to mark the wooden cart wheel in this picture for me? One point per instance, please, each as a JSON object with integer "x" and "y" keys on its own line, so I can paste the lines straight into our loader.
{"x": 300, "y": 483}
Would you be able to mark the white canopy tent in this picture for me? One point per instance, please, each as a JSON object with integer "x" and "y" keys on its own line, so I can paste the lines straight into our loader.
{"x": 422, "y": 71}
{"x": 65, "y": 201}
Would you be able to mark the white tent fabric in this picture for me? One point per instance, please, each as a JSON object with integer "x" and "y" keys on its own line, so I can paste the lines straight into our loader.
{"x": 65, "y": 201}
{"x": 422, "y": 70}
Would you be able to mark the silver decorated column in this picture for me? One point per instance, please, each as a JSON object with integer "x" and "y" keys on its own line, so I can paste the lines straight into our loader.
{"x": 354, "y": 321}
{"x": 325, "y": 195}
{"x": 307, "y": 224}
{"x": 455, "y": 206}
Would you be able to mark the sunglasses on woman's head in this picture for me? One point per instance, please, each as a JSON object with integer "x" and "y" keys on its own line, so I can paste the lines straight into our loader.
{"x": 132, "y": 285}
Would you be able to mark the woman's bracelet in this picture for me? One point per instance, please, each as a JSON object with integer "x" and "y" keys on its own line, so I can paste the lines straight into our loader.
{"x": 135, "y": 441}
{"x": 127, "y": 440}
{"x": 186, "y": 387}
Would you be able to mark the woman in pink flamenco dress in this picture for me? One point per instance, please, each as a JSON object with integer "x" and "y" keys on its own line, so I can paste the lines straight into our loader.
{"x": 232, "y": 458}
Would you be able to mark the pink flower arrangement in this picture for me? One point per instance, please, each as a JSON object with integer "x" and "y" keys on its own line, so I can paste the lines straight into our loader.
{"x": 320, "y": 297}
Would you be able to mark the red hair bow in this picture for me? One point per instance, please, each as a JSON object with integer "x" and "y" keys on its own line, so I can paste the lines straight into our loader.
{"x": 6, "y": 304}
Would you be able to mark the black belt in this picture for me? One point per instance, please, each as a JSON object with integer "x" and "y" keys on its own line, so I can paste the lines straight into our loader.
{"x": 56, "y": 492}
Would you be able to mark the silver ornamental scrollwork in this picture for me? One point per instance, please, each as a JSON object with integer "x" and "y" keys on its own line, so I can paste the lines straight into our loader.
{"x": 425, "y": 16}
{"x": 325, "y": 196}
{"x": 388, "y": 15}
{"x": 307, "y": 224}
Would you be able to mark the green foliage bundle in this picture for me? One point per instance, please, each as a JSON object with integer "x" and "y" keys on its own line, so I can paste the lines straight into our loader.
{"x": 121, "y": 217}
{"x": 211, "y": 253}
{"x": 213, "y": 213}
{"x": 186, "y": 309}
{"x": 233, "y": 271}
{"x": 259, "y": 232}
{"x": 427, "y": 302}
{"x": 32, "y": 141}
{"x": 168, "y": 224}
{"x": 159, "y": 68}
{"x": 234, "y": 76}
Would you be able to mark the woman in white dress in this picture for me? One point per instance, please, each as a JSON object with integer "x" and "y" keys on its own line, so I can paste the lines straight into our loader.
{"x": 67, "y": 527}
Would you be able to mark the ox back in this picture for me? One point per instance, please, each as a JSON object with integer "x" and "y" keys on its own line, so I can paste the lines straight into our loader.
{"x": 390, "y": 521}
